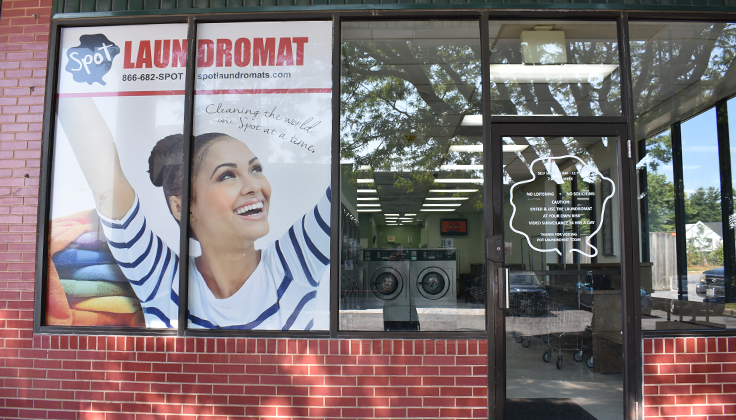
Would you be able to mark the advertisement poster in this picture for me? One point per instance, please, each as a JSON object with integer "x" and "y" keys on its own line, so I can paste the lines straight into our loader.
{"x": 260, "y": 210}
{"x": 120, "y": 93}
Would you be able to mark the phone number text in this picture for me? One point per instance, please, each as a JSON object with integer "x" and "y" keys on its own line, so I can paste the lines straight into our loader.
{"x": 149, "y": 77}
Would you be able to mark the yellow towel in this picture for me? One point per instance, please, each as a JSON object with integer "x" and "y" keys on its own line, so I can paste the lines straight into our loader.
{"x": 114, "y": 304}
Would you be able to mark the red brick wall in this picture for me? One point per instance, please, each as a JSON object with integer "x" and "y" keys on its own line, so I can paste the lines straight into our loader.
{"x": 690, "y": 378}
{"x": 90, "y": 377}
{"x": 67, "y": 377}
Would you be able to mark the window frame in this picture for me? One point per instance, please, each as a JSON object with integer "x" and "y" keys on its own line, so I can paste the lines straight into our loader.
{"x": 336, "y": 17}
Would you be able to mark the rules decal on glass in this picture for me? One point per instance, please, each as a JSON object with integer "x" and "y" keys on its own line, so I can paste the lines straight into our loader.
{"x": 260, "y": 207}
{"x": 116, "y": 177}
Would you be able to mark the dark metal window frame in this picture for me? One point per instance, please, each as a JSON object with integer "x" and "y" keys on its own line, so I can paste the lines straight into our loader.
{"x": 481, "y": 15}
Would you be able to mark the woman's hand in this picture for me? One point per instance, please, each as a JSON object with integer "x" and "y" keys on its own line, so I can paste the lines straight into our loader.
{"x": 94, "y": 147}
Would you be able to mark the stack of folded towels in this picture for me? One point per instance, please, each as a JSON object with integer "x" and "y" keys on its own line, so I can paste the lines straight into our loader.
{"x": 85, "y": 285}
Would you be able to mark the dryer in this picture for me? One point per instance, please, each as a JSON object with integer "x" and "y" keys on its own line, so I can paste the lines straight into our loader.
{"x": 386, "y": 283}
{"x": 433, "y": 275}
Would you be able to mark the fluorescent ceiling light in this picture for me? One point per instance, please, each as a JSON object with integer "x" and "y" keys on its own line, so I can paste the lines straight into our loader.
{"x": 469, "y": 148}
{"x": 391, "y": 214}
{"x": 367, "y": 198}
{"x": 369, "y": 205}
{"x": 364, "y": 168}
{"x": 446, "y": 198}
{"x": 558, "y": 73}
{"x": 366, "y": 191}
{"x": 369, "y": 210}
{"x": 513, "y": 148}
{"x": 410, "y": 214}
{"x": 442, "y": 205}
{"x": 461, "y": 167}
{"x": 459, "y": 181}
{"x": 477, "y": 148}
{"x": 472, "y": 121}
{"x": 365, "y": 181}
{"x": 437, "y": 210}
{"x": 454, "y": 191}
{"x": 406, "y": 218}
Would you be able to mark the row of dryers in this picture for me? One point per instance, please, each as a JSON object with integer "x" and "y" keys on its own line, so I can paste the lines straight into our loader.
{"x": 401, "y": 280}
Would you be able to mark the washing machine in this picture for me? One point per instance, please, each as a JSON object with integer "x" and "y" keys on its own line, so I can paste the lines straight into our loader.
{"x": 433, "y": 274}
{"x": 386, "y": 283}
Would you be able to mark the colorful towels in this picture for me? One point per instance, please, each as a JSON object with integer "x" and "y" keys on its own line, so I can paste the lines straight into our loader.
{"x": 93, "y": 292}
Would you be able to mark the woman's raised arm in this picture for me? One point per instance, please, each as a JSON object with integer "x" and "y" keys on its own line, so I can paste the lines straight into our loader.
{"x": 94, "y": 147}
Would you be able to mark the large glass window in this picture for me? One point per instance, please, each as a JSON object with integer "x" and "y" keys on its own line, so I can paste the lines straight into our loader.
{"x": 260, "y": 197}
{"x": 412, "y": 177}
{"x": 680, "y": 71}
{"x": 113, "y": 118}
{"x": 554, "y": 68}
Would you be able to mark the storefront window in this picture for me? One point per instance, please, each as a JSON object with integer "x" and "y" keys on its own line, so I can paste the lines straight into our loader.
{"x": 680, "y": 70}
{"x": 113, "y": 118}
{"x": 411, "y": 177}
{"x": 261, "y": 164}
{"x": 549, "y": 68}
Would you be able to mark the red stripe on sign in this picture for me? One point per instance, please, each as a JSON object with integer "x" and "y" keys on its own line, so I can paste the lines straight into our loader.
{"x": 260, "y": 91}
{"x": 132, "y": 93}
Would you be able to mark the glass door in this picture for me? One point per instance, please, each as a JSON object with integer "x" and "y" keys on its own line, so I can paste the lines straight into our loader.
{"x": 562, "y": 287}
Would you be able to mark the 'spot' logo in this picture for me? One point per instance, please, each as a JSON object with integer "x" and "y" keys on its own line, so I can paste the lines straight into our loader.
{"x": 92, "y": 59}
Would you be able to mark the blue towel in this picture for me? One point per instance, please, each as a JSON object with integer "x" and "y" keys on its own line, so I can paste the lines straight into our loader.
{"x": 70, "y": 258}
{"x": 108, "y": 272}
{"x": 90, "y": 240}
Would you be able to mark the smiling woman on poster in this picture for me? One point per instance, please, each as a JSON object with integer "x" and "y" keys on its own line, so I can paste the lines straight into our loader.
{"x": 232, "y": 284}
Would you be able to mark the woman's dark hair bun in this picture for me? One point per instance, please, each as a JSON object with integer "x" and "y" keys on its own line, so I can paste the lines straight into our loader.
{"x": 164, "y": 164}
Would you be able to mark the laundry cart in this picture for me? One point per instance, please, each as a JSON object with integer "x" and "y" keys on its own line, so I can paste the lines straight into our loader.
{"x": 569, "y": 331}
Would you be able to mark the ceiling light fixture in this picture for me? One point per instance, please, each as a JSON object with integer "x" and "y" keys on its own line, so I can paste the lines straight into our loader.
{"x": 365, "y": 181}
{"x": 458, "y": 181}
{"x": 454, "y": 191}
{"x": 442, "y": 205}
{"x": 446, "y": 198}
{"x": 367, "y": 198}
{"x": 369, "y": 205}
{"x": 461, "y": 167}
{"x": 410, "y": 214}
{"x": 560, "y": 73}
{"x": 437, "y": 209}
{"x": 366, "y": 191}
{"x": 477, "y": 148}
{"x": 369, "y": 210}
{"x": 392, "y": 214}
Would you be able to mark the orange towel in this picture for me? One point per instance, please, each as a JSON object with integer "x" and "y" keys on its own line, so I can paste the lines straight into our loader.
{"x": 87, "y": 318}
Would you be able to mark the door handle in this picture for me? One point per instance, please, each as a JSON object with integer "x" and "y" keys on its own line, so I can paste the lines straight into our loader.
{"x": 503, "y": 288}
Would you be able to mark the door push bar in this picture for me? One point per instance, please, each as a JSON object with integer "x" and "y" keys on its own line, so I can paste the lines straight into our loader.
{"x": 503, "y": 288}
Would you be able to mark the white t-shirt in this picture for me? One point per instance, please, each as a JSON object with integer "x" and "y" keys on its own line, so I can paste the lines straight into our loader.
{"x": 279, "y": 295}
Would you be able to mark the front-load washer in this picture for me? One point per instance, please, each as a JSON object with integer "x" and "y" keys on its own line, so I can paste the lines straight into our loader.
{"x": 386, "y": 283}
{"x": 433, "y": 274}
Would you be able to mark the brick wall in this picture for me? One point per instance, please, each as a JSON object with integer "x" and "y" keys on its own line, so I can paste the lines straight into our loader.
{"x": 690, "y": 378}
{"x": 67, "y": 377}
{"x": 90, "y": 377}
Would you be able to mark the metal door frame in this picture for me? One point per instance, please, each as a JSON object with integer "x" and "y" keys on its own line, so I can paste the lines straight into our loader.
{"x": 629, "y": 248}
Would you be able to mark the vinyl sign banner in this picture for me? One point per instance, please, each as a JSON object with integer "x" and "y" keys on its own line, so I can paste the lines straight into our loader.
{"x": 260, "y": 209}
{"x": 120, "y": 115}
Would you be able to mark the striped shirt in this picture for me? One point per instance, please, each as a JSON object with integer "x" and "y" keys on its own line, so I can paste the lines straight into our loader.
{"x": 279, "y": 295}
